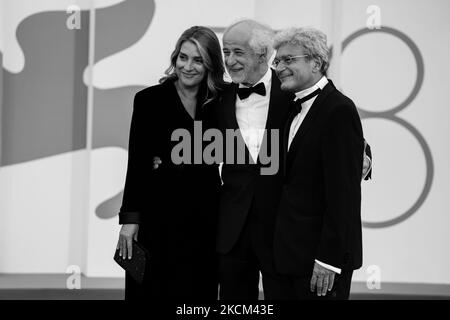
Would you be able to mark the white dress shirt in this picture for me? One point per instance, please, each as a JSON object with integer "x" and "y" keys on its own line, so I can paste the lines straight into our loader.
{"x": 305, "y": 107}
{"x": 296, "y": 123}
{"x": 251, "y": 116}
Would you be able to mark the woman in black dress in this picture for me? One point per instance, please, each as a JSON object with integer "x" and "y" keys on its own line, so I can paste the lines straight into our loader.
{"x": 172, "y": 211}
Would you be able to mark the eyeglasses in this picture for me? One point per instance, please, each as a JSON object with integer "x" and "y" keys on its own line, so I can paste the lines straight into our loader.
{"x": 286, "y": 60}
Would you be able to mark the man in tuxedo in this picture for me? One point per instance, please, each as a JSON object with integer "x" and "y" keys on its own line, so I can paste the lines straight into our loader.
{"x": 317, "y": 237}
{"x": 253, "y": 103}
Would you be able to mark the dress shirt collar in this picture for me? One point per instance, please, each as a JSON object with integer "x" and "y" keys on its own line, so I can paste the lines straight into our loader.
{"x": 318, "y": 85}
{"x": 266, "y": 79}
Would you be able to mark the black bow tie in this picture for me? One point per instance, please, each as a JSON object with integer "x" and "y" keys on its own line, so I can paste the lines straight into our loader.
{"x": 298, "y": 103}
{"x": 246, "y": 92}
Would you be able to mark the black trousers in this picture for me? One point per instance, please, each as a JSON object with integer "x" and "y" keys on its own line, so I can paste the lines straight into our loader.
{"x": 239, "y": 269}
{"x": 239, "y": 272}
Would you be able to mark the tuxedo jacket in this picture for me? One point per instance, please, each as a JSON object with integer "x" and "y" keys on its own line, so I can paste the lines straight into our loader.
{"x": 243, "y": 185}
{"x": 319, "y": 213}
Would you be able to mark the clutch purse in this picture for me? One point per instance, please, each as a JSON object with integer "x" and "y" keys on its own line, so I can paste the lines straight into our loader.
{"x": 137, "y": 264}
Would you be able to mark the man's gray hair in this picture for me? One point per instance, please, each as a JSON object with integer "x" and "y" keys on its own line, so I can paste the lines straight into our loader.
{"x": 313, "y": 41}
{"x": 261, "y": 40}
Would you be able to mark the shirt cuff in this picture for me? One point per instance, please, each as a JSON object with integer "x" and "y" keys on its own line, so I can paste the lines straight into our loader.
{"x": 337, "y": 270}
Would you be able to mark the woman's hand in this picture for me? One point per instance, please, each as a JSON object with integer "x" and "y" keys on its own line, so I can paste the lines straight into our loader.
{"x": 128, "y": 233}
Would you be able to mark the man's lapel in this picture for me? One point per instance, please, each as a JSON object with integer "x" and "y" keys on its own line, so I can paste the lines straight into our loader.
{"x": 278, "y": 108}
{"x": 279, "y": 100}
{"x": 229, "y": 103}
{"x": 306, "y": 124}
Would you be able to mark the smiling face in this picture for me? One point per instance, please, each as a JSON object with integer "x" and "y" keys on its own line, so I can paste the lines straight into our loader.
{"x": 242, "y": 63}
{"x": 189, "y": 65}
{"x": 300, "y": 74}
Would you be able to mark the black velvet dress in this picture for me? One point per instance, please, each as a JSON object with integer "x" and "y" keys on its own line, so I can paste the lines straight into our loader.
{"x": 174, "y": 205}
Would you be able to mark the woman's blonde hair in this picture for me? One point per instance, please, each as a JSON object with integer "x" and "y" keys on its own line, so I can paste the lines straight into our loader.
{"x": 209, "y": 48}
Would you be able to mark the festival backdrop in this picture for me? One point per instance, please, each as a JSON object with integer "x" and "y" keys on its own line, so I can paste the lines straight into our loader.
{"x": 69, "y": 71}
